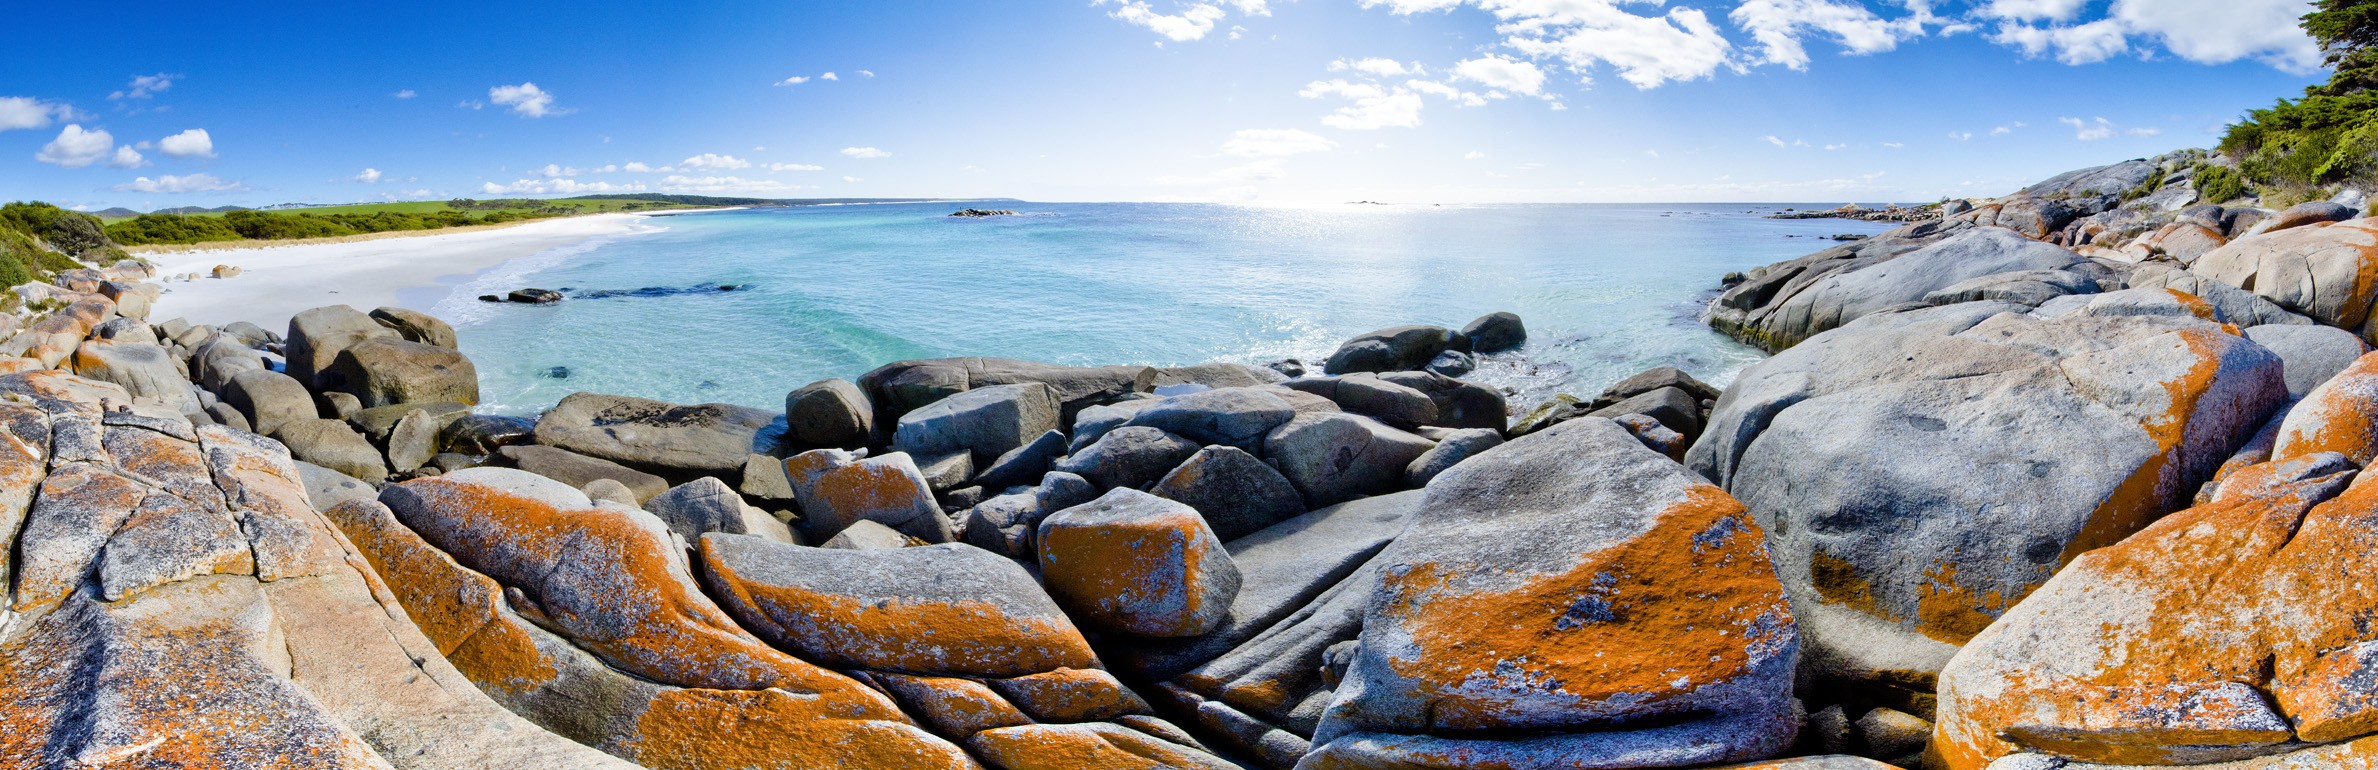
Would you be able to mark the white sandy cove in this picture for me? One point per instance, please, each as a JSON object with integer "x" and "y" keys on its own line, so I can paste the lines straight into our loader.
{"x": 278, "y": 281}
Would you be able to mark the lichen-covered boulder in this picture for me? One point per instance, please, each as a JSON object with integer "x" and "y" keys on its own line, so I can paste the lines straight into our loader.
{"x": 2127, "y": 658}
{"x": 2339, "y": 415}
{"x": 657, "y": 436}
{"x": 1570, "y": 599}
{"x": 941, "y": 610}
{"x": 836, "y": 489}
{"x": 1920, "y": 472}
{"x": 576, "y": 470}
{"x": 2323, "y": 271}
{"x": 1866, "y": 278}
{"x": 416, "y": 326}
{"x": 143, "y": 369}
{"x": 1130, "y": 562}
{"x": 331, "y": 444}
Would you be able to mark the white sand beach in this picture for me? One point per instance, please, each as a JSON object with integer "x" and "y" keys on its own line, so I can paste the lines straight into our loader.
{"x": 278, "y": 281}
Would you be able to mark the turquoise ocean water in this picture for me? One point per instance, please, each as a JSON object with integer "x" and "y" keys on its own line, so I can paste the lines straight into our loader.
{"x": 832, "y": 291}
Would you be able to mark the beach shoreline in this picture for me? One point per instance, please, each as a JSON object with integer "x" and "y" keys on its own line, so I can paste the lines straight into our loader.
{"x": 277, "y": 281}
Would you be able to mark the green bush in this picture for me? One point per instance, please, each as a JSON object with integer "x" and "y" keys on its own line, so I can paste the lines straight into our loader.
{"x": 2330, "y": 136}
{"x": 171, "y": 228}
{"x": 2219, "y": 184}
{"x": 67, "y": 231}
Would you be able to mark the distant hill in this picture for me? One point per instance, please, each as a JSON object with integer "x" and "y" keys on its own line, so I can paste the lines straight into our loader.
{"x": 118, "y": 212}
{"x": 709, "y": 200}
{"x": 199, "y": 210}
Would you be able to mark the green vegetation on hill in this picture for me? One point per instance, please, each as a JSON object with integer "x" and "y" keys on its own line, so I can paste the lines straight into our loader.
{"x": 2296, "y": 149}
{"x": 33, "y": 235}
{"x": 358, "y": 219}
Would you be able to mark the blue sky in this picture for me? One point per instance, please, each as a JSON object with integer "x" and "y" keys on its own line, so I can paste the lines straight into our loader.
{"x": 156, "y": 105}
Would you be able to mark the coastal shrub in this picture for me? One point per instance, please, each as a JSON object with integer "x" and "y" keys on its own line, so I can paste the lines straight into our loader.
{"x": 2330, "y": 136}
{"x": 67, "y": 231}
{"x": 2219, "y": 184}
{"x": 14, "y": 273}
{"x": 171, "y": 228}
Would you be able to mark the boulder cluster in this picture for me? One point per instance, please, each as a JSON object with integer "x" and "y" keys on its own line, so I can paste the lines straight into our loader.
{"x": 2002, "y": 500}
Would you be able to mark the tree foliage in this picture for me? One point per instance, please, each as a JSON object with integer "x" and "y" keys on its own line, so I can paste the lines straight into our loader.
{"x": 2330, "y": 135}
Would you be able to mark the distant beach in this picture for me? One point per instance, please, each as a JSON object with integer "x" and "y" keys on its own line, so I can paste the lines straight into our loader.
{"x": 277, "y": 281}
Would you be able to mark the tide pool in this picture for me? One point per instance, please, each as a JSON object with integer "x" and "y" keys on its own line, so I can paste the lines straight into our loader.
{"x": 832, "y": 291}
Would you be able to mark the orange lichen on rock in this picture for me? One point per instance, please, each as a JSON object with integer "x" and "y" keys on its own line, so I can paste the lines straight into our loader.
{"x": 1139, "y": 564}
{"x": 952, "y": 708}
{"x": 2121, "y": 659}
{"x": 2340, "y": 415}
{"x": 689, "y": 729}
{"x": 610, "y": 582}
{"x": 1071, "y": 695}
{"x": 910, "y": 614}
{"x": 456, "y": 608}
{"x": 1682, "y": 606}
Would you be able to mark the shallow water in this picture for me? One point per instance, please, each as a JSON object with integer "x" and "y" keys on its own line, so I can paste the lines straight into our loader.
{"x": 1605, "y": 290}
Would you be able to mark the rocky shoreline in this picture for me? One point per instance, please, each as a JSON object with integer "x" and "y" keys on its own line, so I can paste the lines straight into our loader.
{"x": 2058, "y": 480}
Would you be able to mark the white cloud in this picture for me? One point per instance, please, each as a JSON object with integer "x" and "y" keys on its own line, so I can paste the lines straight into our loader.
{"x": 1191, "y": 23}
{"x": 145, "y": 86}
{"x": 1458, "y": 96}
{"x": 1894, "y": 145}
{"x": 1375, "y": 65}
{"x": 2202, "y": 31}
{"x": 1274, "y": 143}
{"x": 1492, "y": 71}
{"x": 2144, "y": 132}
{"x": 554, "y": 171}
{"x": 607, "y": 168}
{"x": 1832, "y": 147}
{"x": 2087, "y": 131}
{"x": 828, "y": 76}
{"x": 866, "y": 73}
{"x": 637, "y": 167}
{"x": 26, "y": 112}
{"x": 2008, "y": 129}
{"x": 406, "y": 94}
{"x": 1774, "y": 140}
{"x": 794, "y": 80}
{"x": 1778, "y": 25}
{"x": 169, "y": 183}
{"x": 2033, "y": 10}
{"x": 852, "y": 179}
{"x": 1472, "y": 155}
{"x": 525, "y": 99}
{"x": 369, "y": 176}
{"x": 193, "y": 143}
{"x": 1647, "y": 51}
{"x": 864, "y": 153}
{"x": 714, "y": 160}
{"x": 76, "y": 148}
{"x": 726, "y": 184}
{"x": 126, "y": 157}
{"x": 794, "y": 167}
{"x": 1961, "y": 135}
{"x": 557, "y": 186}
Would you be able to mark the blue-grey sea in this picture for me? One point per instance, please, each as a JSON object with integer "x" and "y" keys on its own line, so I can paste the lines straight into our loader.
{"x": 832, "y": 291}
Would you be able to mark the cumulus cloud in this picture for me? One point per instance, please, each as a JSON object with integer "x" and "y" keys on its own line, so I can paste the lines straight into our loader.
{"x": 1774, "y": 140}
{"x": 1378, "y": 66}
{"x": 1493, "y": 71}
{"x": 864, "y": 153}
{"x": 794, "y": 80}
{"x": 794, "y": 167}
{"x": 2089, "y": 131}
{"x": 866, "y": 73}
{"x": 557, "y": 186}
{"x": 828, "y": 76}
{"x": 1778, "y": 26}
{"x": 526, "y": 100}
{"x": 27, "y": 112}
{"x": 169, "y": 183}
{"x": 194, "y": 143}
{"x": 1472, "y": 155}
{"x": 406, "y": 94}
{"x": 714, "y": 160}
{"x": 554, "y": 171}
{"x": 2203, "y": 31}
{"x": 638, "y": 167}
{"x": 76, "y": 148}
{"x": 1274, "y": 143}
{"x": 127, "y": 157}
{"x": 1189, "y": 21}
{"x": 369, "y": 176}
{"x": 145, "y": 86}
{"x": 725, "y": 184}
